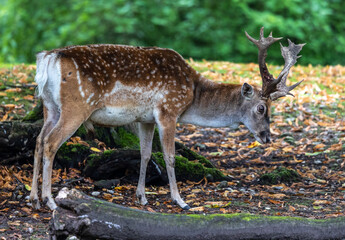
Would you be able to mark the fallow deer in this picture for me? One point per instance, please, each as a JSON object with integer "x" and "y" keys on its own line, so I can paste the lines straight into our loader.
{"x": 112, "y": 85}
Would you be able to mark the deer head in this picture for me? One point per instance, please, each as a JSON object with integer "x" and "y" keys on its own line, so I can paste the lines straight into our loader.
{"x": 256, "y": 106}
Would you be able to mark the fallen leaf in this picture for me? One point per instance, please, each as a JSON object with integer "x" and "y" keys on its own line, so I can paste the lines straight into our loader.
{"x": 197, "y": 209}
{"x": 254, "y": 144}
{"x": 321, "y": 202}
{"x": 291, "y": 208}
{"x": 274, "y": 201}
{"x": 13, "y": 90}
{"x": 277, "y": 196}
{"x": 27, "y": 187}
{"x": 95, "y": 149}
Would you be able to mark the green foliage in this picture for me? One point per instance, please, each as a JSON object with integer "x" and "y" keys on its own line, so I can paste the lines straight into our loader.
{"x": 201, "y": 29}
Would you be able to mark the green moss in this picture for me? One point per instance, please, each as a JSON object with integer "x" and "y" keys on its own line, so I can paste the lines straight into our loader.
{"x": 188, "y": 170}
{"x": 92, "y": 159}
{"x": 280, "y": 174}
{"x": 107, "y": 153}
{"x": 35, "y": 114}
{"x": 71, "y": 155}
{"x": 125, "y": 139}
{"x": 191, "y": 155}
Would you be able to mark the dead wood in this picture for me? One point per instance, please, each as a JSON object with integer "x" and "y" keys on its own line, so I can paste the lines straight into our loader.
{"x": 89, "y": 218}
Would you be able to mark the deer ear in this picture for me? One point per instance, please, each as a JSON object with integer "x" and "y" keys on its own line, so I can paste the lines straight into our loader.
{"x": 247, "y": 91}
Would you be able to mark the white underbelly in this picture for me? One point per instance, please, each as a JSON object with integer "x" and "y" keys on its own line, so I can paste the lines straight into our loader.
{"x": 117, "y": 116}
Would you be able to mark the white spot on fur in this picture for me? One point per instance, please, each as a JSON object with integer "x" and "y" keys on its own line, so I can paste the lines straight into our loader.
{"x": 89, "y": 98}
{"x": 75, "y": 63}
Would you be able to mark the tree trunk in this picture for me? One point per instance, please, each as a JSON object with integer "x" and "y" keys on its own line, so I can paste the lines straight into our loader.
{"x": 89, "y": 218}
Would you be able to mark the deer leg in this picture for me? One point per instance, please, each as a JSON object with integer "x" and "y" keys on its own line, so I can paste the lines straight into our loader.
{"x": 50, "y": 119}
{"x": 146, "y": 131}
{"x": 63, "y": 130}
{"x": 167, "y": 137}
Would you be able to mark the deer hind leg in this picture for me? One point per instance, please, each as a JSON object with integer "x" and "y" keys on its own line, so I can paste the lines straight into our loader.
{"x": 167, "y": 129}
{"x": 50, "y": 119}
{"x": 68, "y": 123}
{"x": 146, "y": 131}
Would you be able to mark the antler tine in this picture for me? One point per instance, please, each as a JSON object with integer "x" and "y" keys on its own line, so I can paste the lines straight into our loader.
{"x": 290, "y": 55}
{"x": 268, "y": 82}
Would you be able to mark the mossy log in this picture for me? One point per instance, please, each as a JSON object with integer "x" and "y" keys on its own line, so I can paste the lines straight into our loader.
{"x": 89, "y": 218}
{"x": 17, "y": 140}
{"x": 117, "y": 163}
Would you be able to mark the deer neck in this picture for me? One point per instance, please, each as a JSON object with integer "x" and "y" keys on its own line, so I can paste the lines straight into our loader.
{"x": 214, "y": 104}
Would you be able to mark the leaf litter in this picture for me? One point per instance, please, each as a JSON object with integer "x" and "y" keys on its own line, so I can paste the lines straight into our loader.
{"x": 308, "y": 134}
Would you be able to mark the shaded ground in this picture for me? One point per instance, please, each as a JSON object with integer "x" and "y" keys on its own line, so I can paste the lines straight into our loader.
{"x": 308, "y": 135}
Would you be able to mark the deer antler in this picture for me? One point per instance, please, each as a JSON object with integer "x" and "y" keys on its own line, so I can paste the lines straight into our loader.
{"x": 275, "y": 88}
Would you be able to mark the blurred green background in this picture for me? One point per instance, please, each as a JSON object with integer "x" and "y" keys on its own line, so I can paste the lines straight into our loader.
{"x": 201, "y": 29}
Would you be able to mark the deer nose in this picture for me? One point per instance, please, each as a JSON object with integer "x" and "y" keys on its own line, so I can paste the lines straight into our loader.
{"x": 265, "y": 136}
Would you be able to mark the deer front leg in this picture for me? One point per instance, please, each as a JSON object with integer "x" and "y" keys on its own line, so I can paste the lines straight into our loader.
{"x": 146, "y": 131}
{"x": 167, "y": 137}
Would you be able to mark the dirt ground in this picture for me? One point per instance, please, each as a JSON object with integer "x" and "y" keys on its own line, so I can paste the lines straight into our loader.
{"x": 319, "y": 193}
{"x": 308, "y": 136}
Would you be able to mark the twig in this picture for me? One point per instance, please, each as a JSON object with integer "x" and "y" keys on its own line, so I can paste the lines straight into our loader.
{"x": 21, "y": 86}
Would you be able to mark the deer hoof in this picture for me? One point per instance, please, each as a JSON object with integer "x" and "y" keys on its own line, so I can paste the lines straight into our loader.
{"x": 142, "y": 200}
{"x": 183, "y": 206}
{"x": 50, "y": 203}
{"x": 35, "y": 202}
{"x": 186, "y": 207}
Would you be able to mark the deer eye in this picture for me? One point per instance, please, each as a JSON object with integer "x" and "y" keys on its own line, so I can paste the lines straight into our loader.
{"x": 261, "y": 109}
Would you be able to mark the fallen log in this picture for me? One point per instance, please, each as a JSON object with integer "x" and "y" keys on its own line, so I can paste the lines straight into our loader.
{"x": 17, "y": 140}
{"x": 89, "y": 218}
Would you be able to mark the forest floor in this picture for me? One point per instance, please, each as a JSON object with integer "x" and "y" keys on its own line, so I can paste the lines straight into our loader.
{"x": 308, "y": 136}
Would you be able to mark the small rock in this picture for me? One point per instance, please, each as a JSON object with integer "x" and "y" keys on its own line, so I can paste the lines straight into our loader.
{"x": 200, "y": 146}
{"x": 95, "y": 194}
{"x": 111, "y": 191}
{"x": 222, "y": 184}
{"x": 30, "y": 230}
{"x": 301, "y": 190}
{"x": 19, "y": 196}
{"x": 267, "y": 208}
{"x": 209, "y": 177}
{"x": 72, "y": 238}
{"x": 317, "y": 162}
{"x": 27, "y": 197}
{"x": 277, "y": 188}
{"x": 252, "y": 192}
{"x": 107, "y": 183}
